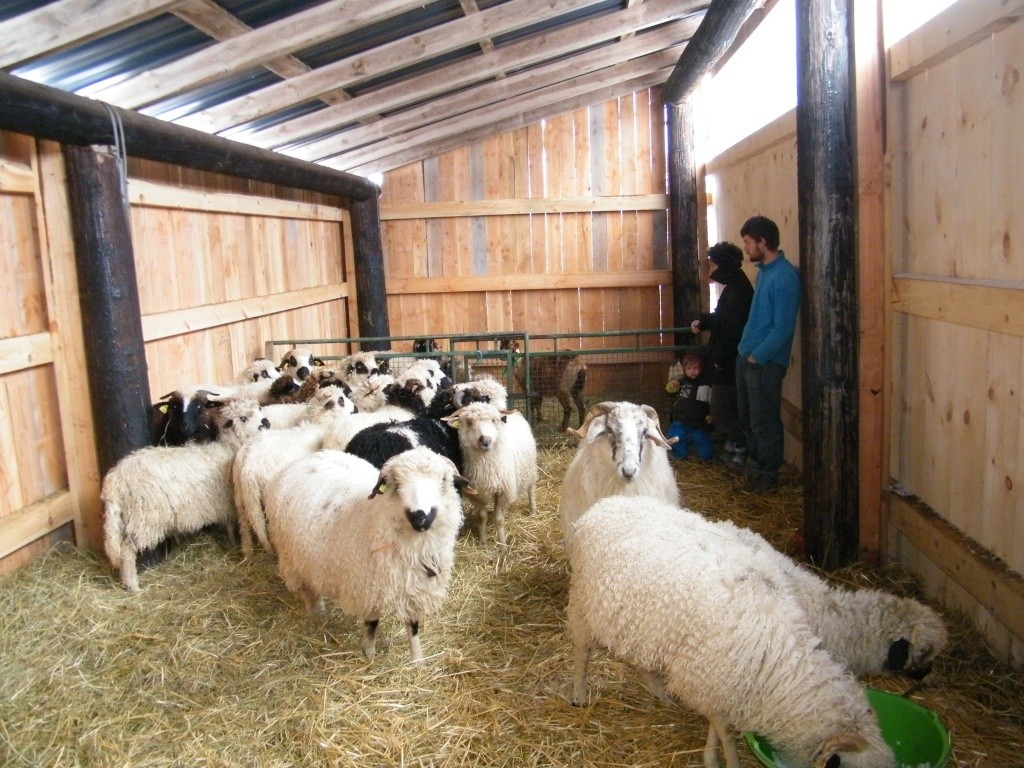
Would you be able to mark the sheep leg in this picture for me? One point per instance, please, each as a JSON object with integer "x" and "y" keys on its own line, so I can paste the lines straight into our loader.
{"x": 245, "y": 535}
{"x": 578, "y": 399}
{"x": 532, "y": 493}
{"x": 500, "y": 508}
{"x": 370, "y": 637}
{"x": 581, "y": 660}
{"x": 563, "y": 398}
{"x": 129, "y": 573}
{"x": 412, "y": 629}
{"x": 724, "y": 734}
{"x": 711, "y": 748}
{"x": 481, "y": 526}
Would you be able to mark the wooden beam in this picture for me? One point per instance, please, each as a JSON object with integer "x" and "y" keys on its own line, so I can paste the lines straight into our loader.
{"x": 523, "y": 207}
{"x": 492, "y": 92}
{"x": 826, "y": 176}
{"x": 969, "y": 565}
{"x": 951, "y": 31}
{"x": 16, "y": 178}
{"x": 153, "y": 195}
{"x": 44, "y": 112}
{"x": 369, "y": 273}
{"x": 292, "y": 33}
{"x": 162, "y": 325}
{"x": 870, "y": 89}
{"x": 636, "y": 279}
{"x": 602, "y": 94}
{"x": 721, "y": 25}
{"x": 30, "y": 523}
{"x": 987, "y": 306}
{"x": 20, "y": 352}
{"x": 507, "y": 109}
{"x": 59, "y": 25}
{"x": 537, "y": 48}
{"x": 116, "y": 356}
{"x": 385, "y": 58}
{"x": 682, "y": 186}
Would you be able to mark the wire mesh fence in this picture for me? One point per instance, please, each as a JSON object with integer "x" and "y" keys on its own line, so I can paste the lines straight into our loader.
{"x": 552, "y": 378}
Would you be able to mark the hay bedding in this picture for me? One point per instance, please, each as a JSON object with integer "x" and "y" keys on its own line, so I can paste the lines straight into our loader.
{"x": 215, "y": 664}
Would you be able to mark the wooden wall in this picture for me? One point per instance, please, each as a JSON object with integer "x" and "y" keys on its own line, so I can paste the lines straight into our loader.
{"x": 553, "y": 228}
{"x": 757, "y": 176}
{"x": 957, "y": 263}
{"x": 223, "y": 265}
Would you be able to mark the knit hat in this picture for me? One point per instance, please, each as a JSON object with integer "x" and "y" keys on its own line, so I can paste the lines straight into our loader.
{"x": 726, "y": 255}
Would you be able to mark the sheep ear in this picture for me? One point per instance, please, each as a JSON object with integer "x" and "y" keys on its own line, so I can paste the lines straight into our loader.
{"x": 827, "y": 755}
{"x": 380, "y": 487}
{"x": 462, "y": 484}
{"x": 508, "y": 412}
{"x": 317, "y": 361}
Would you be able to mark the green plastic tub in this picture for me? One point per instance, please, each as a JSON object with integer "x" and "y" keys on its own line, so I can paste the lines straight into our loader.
{"x": 917, "y": 736}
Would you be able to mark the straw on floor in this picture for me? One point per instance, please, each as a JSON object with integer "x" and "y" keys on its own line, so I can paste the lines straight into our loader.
{"x": 216, "y": 664}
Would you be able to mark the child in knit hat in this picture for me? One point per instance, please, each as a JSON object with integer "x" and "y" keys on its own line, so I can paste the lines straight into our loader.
{"x": 691, "y": 408}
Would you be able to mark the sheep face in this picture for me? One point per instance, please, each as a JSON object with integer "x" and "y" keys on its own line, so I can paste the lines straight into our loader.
{"x": 423, "y": 482}
{"x": 239, "y": 421}
{"x": 479, "y": 426}
{"x": 182, "y": 416}
{"x": 483, "y": 389}
{"x": 627, "y": 429}
{"x": 260, "y": 369}
{"x": 329, "y": 402}
{"x": 299, "y": 363}
{"x": 359, "y": 367}
{"x": 922, "y": 639}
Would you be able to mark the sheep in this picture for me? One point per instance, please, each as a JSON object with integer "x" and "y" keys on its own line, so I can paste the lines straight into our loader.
{"x": 300, "y": 362}
{"x": 374, "y": 543}
{"x": 258, "y": 461}
{"x": 622, "y": 452}
{"x": 158, "y": 491}
{"x": 499, "y": 457}
{"x": 660, "y": 588}
{"x": 561, "y": 375}
{"x": 381, "y": 441}
{"x": 870, "y": 631}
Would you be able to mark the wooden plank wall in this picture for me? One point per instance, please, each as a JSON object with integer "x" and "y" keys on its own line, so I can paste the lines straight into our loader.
{"x": 223, "y": 265}
{"x": 757, "y": 176}
{"x": 957, "y": 259}
{"x": 557, "y": 227}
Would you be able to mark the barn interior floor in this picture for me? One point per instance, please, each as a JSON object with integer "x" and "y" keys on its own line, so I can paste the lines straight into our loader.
{"x": 216, "y": 664}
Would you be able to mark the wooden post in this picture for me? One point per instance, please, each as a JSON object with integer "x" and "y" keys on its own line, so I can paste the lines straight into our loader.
{"x": 370, "y": 286}
{"x": 108, "y": 293}
{"x": 682, "y": 194}
{"x": 826, "y": 187}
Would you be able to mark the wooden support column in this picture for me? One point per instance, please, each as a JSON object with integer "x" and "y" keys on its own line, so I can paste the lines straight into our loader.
{"x": 369, "y": 261}
{"x": 826, "y": 184}
{"x": 108, "y": 293}
{"x": 682, "y": 193}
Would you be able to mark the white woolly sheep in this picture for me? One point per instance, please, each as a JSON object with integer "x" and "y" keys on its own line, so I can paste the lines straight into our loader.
{"x": 662, "y": 589}
{"x": 622, "y": 452}
{"x": 257, "y": 462}
{"x": 155, "y": 492}
{"x": 499, "y": 458}
{"x": 870, "y": 631}
{"x": 300, "y": 362}
{"x": 375, "y": 543}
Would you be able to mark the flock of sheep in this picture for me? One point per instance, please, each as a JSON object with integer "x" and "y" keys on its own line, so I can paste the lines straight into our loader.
{"x": 355, "y": 478}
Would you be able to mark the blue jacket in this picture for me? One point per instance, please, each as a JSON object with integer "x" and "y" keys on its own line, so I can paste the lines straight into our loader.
{"x": 768, "y": 334}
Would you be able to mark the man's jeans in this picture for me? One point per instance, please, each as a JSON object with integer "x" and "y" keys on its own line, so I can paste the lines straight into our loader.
{"x": 759, "y": 398}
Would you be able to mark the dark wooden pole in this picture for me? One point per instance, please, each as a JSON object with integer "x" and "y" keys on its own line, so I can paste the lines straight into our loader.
{"x": 108, "y": 293}
{"x": 370, "y": 285}
{"x": 717, "y": 31}
{"x": 682, "y": 196}
{"x": 827, "y": 187}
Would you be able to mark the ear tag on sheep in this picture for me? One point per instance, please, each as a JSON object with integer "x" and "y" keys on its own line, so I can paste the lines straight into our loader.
{"x": 379, "y": 488}
{"x": 163, "y": 408}
{"x": 455, "y": 423}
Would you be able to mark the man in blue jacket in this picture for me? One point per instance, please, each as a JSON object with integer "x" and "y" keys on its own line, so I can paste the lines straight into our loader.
{"x": 764, "y": 351}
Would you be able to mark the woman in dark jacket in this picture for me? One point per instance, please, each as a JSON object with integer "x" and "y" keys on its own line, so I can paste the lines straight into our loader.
{"x": 726, "y": 326}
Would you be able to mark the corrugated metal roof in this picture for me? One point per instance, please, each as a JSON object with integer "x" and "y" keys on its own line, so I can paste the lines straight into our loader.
{"x": 285, "y": 75}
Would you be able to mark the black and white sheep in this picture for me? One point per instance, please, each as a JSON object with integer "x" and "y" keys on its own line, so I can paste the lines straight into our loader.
{"x": 662, "y": 589}
{"x": 499, "y": 458}
{"x": 375, "y": 542}
{"x": 300, "y": 362}
{"x": 156, "y": 492}
{"x": 622, "y": 452}
{"x": 258, "y": 461}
